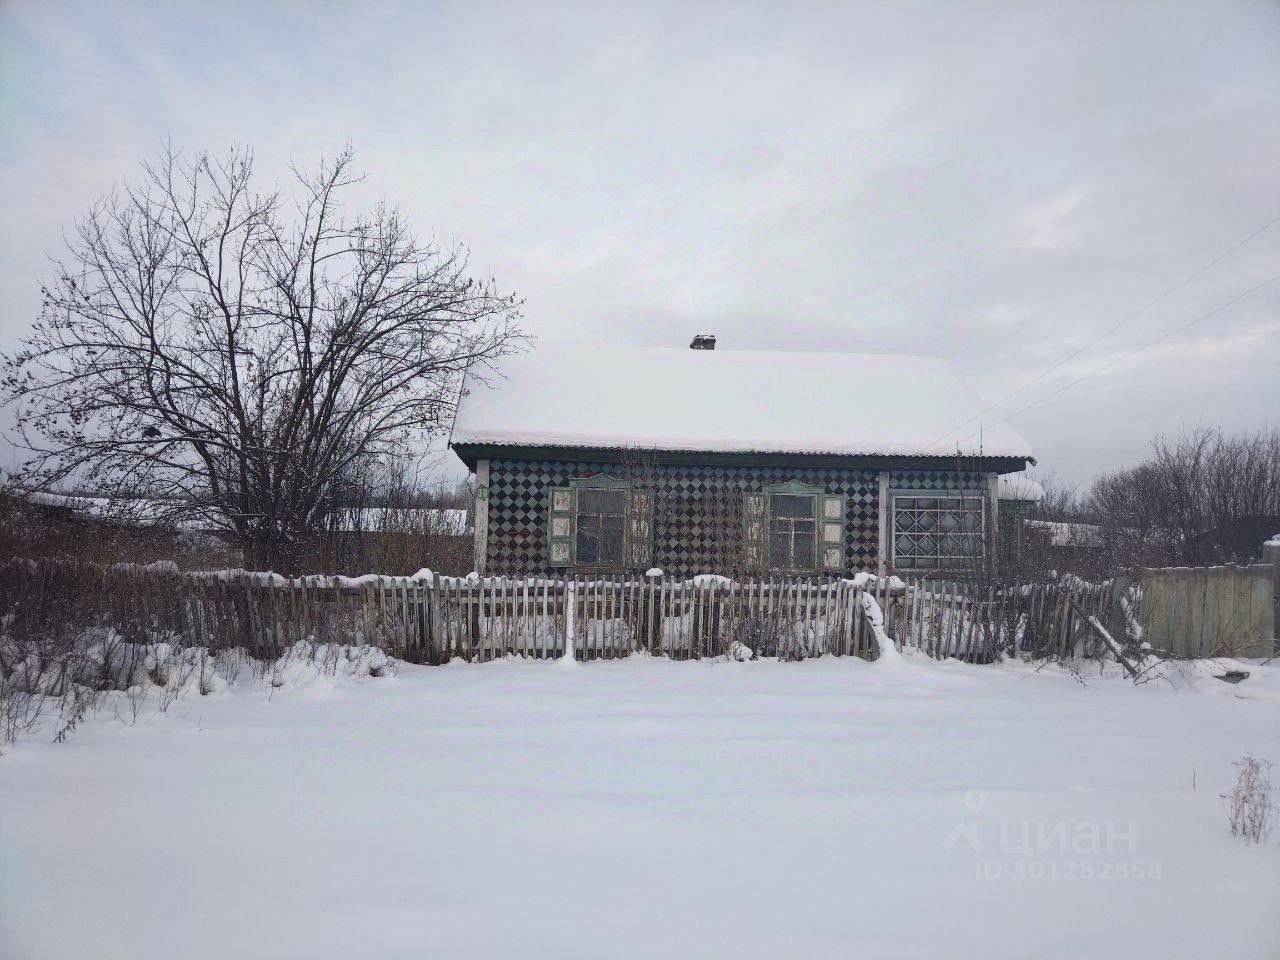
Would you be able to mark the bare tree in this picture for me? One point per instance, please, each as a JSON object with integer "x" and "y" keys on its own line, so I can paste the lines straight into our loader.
{"x": 1200, "y": 498}
{"x": 232, "y": 352}
{"x": 387, "y": 519}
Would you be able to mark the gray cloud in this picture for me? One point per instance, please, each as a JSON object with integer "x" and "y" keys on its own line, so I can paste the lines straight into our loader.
{"x": 993, "y": 184}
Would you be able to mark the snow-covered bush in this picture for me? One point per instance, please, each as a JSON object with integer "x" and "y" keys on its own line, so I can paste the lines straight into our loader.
{"x": 99, "y": 666}
{"x": 1251, "y": 804}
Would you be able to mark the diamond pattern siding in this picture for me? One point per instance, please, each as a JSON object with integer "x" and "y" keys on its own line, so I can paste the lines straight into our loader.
{"x": 687, "y": 499}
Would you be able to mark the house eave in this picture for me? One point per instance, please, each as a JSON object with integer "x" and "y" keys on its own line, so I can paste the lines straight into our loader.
{"x": 470, "y": 453}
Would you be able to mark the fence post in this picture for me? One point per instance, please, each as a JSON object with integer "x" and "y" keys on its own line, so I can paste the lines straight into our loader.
{"x": 570, "y": 615}
{"x": 652, "y": 633}
{"x": 1271, "y": 555}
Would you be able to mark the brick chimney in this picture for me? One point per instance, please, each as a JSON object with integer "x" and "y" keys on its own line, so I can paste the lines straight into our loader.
{"x": 703, "y": 341}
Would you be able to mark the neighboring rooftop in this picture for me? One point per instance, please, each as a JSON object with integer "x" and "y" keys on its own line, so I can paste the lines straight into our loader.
{"x": 1019, "y": 486}
{"x": 739, "y": 401}
{"x": 146, "y": 511}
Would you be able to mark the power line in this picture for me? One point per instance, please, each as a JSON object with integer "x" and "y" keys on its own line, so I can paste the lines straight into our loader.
{"x": 1125, "y": 356}
{"x": 1102, "y": 336}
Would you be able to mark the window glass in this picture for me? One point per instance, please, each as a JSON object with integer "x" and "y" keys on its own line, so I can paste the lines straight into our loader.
{"x": 937, "y": 533}
{"x": 791, "y": 532}
{"x": 779, "y": 547}
{"x": 611, "y": 539}
{"x": 588, "y": 538}
{"x": 792, "y": 505}
{"x": 602, "y": 501}
{"x": 601, "y": 523}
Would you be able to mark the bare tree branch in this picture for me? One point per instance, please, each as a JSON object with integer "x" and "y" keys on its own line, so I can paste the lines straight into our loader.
{"x": 239, "y": 354}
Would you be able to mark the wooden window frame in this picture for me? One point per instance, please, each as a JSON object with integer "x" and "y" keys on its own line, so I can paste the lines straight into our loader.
{"x": 815, "y": 531}
{"x": 979, "y": 560}
{"x": 579, "y": 514}
{"x": 634, "y": 497}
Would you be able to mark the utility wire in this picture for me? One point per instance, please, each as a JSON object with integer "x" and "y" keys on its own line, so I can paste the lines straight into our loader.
{"x": 1102, "y": 336}
{"x": 1126, "y": 356}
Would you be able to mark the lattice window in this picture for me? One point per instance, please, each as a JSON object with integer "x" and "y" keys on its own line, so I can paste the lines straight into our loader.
{"x": 938, "y": 533}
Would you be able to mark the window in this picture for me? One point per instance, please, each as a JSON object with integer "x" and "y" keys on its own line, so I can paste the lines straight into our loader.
{"x": 938, "y": 533}
{"x": 601, "y": 520}
{"x": 793, "y": 526}
{"x": 791, "y": 532}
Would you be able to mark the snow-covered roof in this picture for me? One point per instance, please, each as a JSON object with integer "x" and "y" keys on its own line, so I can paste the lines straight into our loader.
{"x": 739, "y": 401}
{"x": 146, "y": 511}
{"x": 1019, "y": 486}
{"x": 428, "y": 519}
{"x": 134, "y": 510}
{"x": 1069, "y": 534}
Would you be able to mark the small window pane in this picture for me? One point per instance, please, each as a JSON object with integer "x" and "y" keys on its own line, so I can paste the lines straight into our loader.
{"x": 937, "y": 533}
{"x": 602, "y": 501}
{"x": 588, "y": 539}
{"x": 803, "y": 557}
{"x": 792, "y": 505}
{"x": 779, "y": 547}
{"x": 611, "y": 540}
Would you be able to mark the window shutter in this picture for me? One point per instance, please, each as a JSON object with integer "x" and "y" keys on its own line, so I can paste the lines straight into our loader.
{"x": 560, "y": 533}
{"x": 831, "y": 532}
{"x": 640, "y": 529}
{"x": 755, "y": 529}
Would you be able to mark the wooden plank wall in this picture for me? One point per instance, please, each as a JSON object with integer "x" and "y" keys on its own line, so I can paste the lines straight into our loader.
{"x": 1210, "y": 611}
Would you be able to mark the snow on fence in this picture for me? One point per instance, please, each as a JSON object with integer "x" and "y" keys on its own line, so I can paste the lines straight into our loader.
{"x": 432, "y": 619}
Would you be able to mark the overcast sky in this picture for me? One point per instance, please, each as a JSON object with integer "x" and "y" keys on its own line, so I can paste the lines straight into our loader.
{"x": 996, "y": 185}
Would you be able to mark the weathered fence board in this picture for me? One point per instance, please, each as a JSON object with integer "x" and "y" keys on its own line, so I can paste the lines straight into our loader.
{"x": 1220, "y": 610}
{"x": 1210, "y": 611}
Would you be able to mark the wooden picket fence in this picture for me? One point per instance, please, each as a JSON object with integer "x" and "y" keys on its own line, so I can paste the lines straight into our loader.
{"x": 435, "y": 620}
{"x": 975, "y": 621}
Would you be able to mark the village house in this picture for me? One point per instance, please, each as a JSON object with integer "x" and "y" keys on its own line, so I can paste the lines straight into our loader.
{"x": 606, "y": 459}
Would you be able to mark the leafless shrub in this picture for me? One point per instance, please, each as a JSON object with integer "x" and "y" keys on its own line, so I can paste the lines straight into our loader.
{"x": 792, "y": 644}
{"x": 80, "y": 701}
{"x": 134, "y": 700}
{"x": 20, "y": 711}
{"x": 384, "y": 517}
{"x": 1251, "y": 804}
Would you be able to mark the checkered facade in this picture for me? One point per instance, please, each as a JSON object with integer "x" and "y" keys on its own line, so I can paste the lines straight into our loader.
{"x": 930, "y": 481}
{"x": 683, "y": 543}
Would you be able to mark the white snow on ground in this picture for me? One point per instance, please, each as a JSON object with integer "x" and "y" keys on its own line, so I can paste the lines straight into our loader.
{"x": 648, "y": 808}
